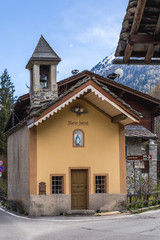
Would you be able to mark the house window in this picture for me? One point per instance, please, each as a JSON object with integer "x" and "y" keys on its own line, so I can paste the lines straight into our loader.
{"x": 78, "y": 138}
{"x": 100, "y": 184}
{"x": 57, "y": 184}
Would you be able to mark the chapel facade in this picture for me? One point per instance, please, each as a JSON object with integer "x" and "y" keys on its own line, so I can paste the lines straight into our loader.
{"x": 68, "y": 150}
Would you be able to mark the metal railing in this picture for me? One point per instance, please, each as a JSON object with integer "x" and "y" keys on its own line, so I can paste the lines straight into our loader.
{"x": 143, "y": 200}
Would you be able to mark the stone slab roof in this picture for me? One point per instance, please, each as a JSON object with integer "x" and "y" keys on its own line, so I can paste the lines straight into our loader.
{"x": 78, "y": 84}
{"x": 110, "y": 83}
{"x": 139, "y": 132}
{"x": 43, "y": 51}
{"x": 139, "y": 41}
{"x": 39, "y": 110}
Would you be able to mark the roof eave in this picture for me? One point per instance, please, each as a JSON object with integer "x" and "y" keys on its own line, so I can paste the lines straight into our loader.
{"x": 111, "y": 83}
{"x": 89, "y": 85}
{"x": 40, "y": 60}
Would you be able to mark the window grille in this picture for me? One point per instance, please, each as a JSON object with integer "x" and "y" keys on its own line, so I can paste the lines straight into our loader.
{"x": 57, "y": 184}
{"x": 100, "y": 184}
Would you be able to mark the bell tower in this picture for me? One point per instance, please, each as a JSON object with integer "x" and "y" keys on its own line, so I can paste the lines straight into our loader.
{"x": 43, "y": 78}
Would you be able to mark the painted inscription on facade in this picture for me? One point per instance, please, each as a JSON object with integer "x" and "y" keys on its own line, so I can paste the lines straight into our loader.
{"x": 78, "y": 123}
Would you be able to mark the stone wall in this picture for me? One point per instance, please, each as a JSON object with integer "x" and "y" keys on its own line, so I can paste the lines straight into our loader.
{"x": 42, "y": 96}
{"x": 153, "y": 162}
{"x": 138, "y": 147}
{"x": 56, "y": 204}
{"x": 108, "y": 202}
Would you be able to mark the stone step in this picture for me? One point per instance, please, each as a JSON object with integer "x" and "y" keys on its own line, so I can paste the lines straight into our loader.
{"x": 79, "y": 212}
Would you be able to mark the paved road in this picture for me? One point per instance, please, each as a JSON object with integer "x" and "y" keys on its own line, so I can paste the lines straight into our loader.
{"x": 144, "y": 226}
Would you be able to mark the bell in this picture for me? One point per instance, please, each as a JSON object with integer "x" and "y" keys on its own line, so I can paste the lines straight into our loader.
{"x": 43, "y": 78}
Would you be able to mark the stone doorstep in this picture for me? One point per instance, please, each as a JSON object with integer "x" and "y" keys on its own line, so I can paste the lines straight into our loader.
{"x": 79, "y": 212}
{"x": 108, "y": 213}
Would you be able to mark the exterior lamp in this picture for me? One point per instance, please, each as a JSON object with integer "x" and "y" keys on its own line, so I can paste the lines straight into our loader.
{"x": 78, "y": 110}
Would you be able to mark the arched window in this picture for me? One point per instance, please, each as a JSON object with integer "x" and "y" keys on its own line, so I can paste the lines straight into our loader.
{"x": 78, "y": 138}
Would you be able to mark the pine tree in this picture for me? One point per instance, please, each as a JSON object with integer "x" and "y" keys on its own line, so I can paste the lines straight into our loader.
{"x": 6, "y": 98}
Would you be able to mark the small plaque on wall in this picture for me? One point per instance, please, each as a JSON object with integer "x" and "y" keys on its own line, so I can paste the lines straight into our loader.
{"x": 42, "y": 188}
{"x": 139, "y": 165}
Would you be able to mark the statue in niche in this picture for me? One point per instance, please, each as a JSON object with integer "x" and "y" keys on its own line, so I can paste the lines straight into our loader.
{"x": 78, "y": 138}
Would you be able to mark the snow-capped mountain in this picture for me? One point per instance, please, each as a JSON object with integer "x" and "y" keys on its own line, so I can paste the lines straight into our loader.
{"x": 139, "y": 77}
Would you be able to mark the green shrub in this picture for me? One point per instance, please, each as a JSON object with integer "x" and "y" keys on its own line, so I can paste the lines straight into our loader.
{"x": 2, "y": 203}
{"x": 14, "y": 209}
{"x": 3, "y": 186}
{"x": 22, "y": 211}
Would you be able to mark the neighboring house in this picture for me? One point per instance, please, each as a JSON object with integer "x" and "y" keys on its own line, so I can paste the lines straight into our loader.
{"x": 139, "y": 42}
{"x": 66, "y": 150}
{"x": 140, "y": 145}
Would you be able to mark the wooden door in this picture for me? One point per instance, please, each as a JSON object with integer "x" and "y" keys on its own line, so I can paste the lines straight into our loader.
{"x": 79, "y": 193}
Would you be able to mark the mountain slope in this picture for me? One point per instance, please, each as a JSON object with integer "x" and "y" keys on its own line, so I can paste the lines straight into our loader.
{"x": 139, "y": 77}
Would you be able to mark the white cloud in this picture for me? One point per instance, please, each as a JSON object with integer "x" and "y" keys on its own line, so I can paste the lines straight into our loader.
{"x": 101, "y": 35}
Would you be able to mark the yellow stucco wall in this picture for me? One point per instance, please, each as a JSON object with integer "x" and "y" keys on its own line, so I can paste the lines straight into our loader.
{"x": 55, "y": 151}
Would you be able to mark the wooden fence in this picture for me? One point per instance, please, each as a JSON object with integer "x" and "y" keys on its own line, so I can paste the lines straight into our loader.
{"x": 143, "y": 200}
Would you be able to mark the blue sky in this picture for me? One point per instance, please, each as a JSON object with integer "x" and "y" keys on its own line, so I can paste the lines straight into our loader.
{"x": 82, "y": 33}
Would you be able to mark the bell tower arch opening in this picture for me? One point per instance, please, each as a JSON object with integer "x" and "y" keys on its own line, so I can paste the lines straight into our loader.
{"x": 44, "y": 76}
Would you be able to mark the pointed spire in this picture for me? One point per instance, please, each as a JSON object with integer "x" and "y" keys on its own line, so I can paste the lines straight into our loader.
{"x": 43, "y": 51}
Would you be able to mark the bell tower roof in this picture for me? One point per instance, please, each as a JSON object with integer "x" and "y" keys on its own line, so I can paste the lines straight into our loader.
{"x": 43, "y": 52}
